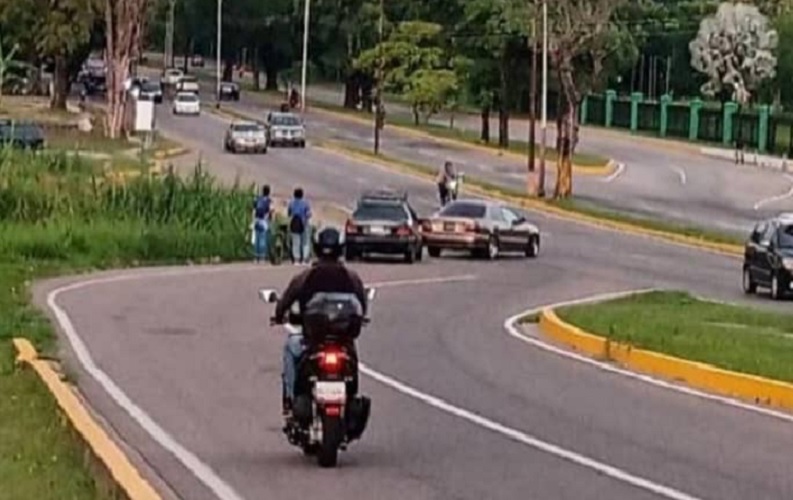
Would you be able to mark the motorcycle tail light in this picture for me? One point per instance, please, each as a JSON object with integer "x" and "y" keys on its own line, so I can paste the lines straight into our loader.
{"x": 331, "y": 361}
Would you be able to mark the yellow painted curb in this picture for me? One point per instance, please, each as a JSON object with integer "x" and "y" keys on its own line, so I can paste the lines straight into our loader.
{"x": 545, "y": 207}
{"x": 702, "y": 376}
{"x": 604, "y": 170}
{"x": 170, "y": 153}
{"x": 121, "y": 469}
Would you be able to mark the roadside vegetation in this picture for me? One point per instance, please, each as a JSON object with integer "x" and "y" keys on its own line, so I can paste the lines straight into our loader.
{"x": 732, "y": 337}
{"x": 61, "y": 214}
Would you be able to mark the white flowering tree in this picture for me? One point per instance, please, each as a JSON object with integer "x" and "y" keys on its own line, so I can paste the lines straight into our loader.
{"x": 735, "y": 49}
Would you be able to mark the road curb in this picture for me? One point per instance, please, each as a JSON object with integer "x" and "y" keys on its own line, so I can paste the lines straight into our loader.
{"x": 751, "y": 388}
{"x": 129, "y": 480}
{"x": 600, "y": 171}
{"x": 170, "y": 153}
{"x": 545, "y": 207}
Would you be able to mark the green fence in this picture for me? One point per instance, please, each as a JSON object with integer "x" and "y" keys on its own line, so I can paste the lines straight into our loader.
{"x": 757, "y": 128}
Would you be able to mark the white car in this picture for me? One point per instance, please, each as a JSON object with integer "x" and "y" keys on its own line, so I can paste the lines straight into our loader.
{"x": 172, "y": 76}
{"x": 186, "y": 103}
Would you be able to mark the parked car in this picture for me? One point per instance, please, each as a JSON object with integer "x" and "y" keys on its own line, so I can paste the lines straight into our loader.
{"x": 229, "y": 91}
{"x": 768, "y": 257}
{"x": 246, "y": 136}
{"x": 384, "y": 223}
{"x": 485, "y": 228}
{"x": 186, "y": 103}
{"x": 21, "y": 135}
{"x": 171, "y": 76}
{"x": 197, "y": 61}
{"x": 286, "y": 129}
{"x": 188, "y": 83}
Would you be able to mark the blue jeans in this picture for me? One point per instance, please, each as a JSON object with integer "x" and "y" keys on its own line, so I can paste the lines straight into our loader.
{"x": 293, "y": 349}
{"x": 262, "y": 233}
{"x": 301, "y": 246}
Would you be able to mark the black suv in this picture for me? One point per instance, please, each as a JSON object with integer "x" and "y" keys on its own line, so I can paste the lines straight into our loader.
{"x": 384, "y": 223}
{"x": 768, "y": 257}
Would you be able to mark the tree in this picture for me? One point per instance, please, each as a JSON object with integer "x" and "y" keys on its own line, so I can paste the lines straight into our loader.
{"x": 784, "y": 26}
{"x": 59, "y": 31}
{"x": 734, "y": 49}
{"x": 582, "y": 37}
{"x": 7, "y": 62}
{"x": 123, "y": 23}
{"x": 414, "y": 66}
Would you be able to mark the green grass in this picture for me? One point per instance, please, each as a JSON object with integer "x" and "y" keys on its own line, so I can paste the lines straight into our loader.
{"x": 675, "y": 323}
{"x": 571, "y": 205}
{"x": 57, "y": 215}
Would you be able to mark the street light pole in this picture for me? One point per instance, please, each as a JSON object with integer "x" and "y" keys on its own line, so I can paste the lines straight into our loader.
{"x": 533, "y": 97}
{"x": 378, "y": 106}
{"x": 303, "y": 72}
{"x": 168, "y": 59}
{"x": 218, "y": 53}
{"x": 544, "y": 123}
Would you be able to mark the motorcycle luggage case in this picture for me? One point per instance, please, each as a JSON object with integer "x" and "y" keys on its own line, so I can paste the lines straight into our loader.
{"x": 332, "y": 315}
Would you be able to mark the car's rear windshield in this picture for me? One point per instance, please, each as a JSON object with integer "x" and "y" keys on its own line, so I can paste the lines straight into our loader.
{"x": 189, "y": 79}
{"x": 187, "y": 97}
{"x": 287, "y": 120}
{"x": 461, "y": 209}
{"x": 247, "y": 127}
{"x": 786, "y": 236}
{"x": 150, "y": 86}
{"x": 379, "y": 211}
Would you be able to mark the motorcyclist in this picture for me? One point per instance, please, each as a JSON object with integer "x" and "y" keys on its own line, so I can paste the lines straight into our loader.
{"x": 446, "y": 174}
{"x": 327, "y": 274}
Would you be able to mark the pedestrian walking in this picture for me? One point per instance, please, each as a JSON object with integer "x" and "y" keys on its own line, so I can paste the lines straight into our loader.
{"x": 299, "y": 214}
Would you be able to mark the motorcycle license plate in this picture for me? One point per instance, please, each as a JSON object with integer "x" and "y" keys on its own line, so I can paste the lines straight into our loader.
{"x": 330, "y": 392}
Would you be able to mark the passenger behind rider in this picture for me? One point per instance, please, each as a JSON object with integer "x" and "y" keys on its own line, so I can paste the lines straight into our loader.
{"x": 327, "y": 274}
{"x": 445, "y": 174}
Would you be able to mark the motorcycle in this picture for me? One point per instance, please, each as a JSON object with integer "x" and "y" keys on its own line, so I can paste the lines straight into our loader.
{"x": 327, "y": 411}
{"x": 453, "y": 187}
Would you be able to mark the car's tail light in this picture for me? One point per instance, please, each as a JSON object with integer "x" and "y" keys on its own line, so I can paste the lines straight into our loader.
{"x": 350, "y": 227}
{"x": 403, "y": 231}
{"x": 426, "y": 226}
{"x": 471, "y": 227}
{"x": 331, "y": 361}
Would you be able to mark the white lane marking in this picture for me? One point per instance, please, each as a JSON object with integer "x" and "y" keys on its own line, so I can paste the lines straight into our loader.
{"x": 527, "y": 439}
{"x": 766, "y": 201}
{"x": 513, "y": 329}
{"x": 190, "y": 461}
{"x": 681, "y": 174}
{"x": 621, "y": 167}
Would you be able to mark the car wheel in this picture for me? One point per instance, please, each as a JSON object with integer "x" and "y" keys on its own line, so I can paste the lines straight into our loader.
{"x": 493, "y": 249}
{"x": 533, "y": 246}
{"x": 749, "y": 286}
{"x": 419, "y": 252}
{"x": 410, "y": 255}
{"x": 776, "y": 293}
{"x": 302, "y": 144}
{"x": 434, "y": 252}
{"x": 350, "y": 255}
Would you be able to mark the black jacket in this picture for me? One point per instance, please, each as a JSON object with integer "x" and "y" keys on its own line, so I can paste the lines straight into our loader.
{"x": 320, "y": 277}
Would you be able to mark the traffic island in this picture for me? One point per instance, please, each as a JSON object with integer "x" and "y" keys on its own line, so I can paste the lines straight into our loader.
{"x": 726, "y": 349}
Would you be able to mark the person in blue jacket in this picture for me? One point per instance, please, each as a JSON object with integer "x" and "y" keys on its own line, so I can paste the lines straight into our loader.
{"x": 262, "y": 213}
{"x": 299, "y": 214}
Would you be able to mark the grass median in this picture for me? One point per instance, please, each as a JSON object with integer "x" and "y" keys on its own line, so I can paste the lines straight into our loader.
{"x": 59, "y": 215}
{"x": 571, "y": 206}
{"x": 732, "y": 337}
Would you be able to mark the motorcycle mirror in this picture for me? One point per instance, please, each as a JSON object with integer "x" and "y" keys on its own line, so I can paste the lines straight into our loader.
{"x": 268, "y": 295}
{"x": 371, "y": 293}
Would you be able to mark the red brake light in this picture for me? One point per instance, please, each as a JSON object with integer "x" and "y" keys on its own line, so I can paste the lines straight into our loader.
{"x": 403, "y": 231}
{"x": 350, "y": 227}
{"x": 426, "y": 226}
{"x": 471, "y": 227}
{"x": 331, "y": 361}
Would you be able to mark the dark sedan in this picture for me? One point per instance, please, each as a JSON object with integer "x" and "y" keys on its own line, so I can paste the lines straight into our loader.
{"x": 484, "y": 228}
{"x": 768, "y": 257}
{"x": 21, "y": 135}
{"x": 384, "y": 223}
{"x": 229, "y": 91}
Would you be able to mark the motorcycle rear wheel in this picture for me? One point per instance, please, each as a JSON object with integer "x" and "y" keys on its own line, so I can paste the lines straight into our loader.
{"x": 332, "y": 436}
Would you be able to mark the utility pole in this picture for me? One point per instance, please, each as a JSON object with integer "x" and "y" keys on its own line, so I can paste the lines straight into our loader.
{"x": 378, "y": 105}
{"x": 304, "y": 69}
{"x": 168, "y": 57}
{"x": 544, "y": 124}
{"x": 218, "y": 64}
{"x": 533, "y": 97}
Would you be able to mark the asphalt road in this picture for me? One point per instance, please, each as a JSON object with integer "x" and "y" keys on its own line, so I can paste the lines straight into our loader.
{"x": 657, "y": 181}
{"x": 191, "y": 349}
